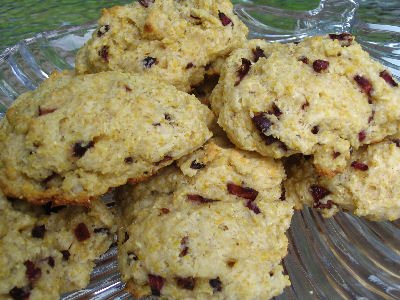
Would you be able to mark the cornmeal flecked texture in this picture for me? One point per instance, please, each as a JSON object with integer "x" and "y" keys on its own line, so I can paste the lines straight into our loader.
{"x": 41, "y": 256}
{"x": 369, "y": 186}
{"x": 321, "y": 97}
{"x": 213, "y": 232}
{"x": 75, "y": 137}
{"x": 174, "y": 40}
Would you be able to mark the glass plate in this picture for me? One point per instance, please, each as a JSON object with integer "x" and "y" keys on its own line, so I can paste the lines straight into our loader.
{"x": 344, "y": 257}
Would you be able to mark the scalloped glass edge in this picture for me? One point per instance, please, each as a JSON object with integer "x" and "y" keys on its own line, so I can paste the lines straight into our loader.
{"x": 338, "y": 258}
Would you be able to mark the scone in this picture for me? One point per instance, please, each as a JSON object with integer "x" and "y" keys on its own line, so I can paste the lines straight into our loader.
{"x": 49, "y": 251}
{"x": 369, "y": 186}
{"x": 321, "y": 97}
{"x": 178, "y": 41}
{"x": 212, "y": 229}
{"x": 77, "y": 136}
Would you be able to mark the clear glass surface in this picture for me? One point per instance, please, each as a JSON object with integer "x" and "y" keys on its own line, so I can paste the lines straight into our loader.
{"x": 344, "y": 257}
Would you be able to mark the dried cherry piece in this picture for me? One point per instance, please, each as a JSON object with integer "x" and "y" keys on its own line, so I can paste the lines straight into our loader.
{"x": 335, "y": 154}
{"x": 102, "y": 230}
{"x": 195, "y": 17}
{"x": 346, "y": 38}
{"x": 145, "y": 3}
{"x": 66, "y": 254}
{"x": 283, "y": 194}
{"x": 165, "y": 159}
{"x": 275, "y": 110}
{"x": 197, "y": 165}
{"x": 186, "y": 283}
{"x": 103, "y": 53}
{"x": 315, "y": 130}
{"x": 189, "y": 66}
{"x": 318, "y": 192}
{"x": 102, "y": 30}
{"x": 320, "y": 65}
{"x": 32, "y": 272}
{"x": 167, "y": 117}
{"x": 388, "y": 78}
{"x": 216, "y": 284}
{"x": 156, "y": 284}
{"x": 80, "y": 150}
{"x": 199, "y": 199}
{"x": 253, "y": 206}
{"x": 149, "y": 61}
{"x": 50, "y": 260}
{"x": 396, "y": 141}
{"x": 258, "y": 53}
{"x": 20, "y": 293}
{"x": 327, "y": 205}
{"x": 361, "y": 136}
{"x": 81, "y": 232}
{"x": 371, "y": 117}
{"x": 224, "y": 19}
{"x": 364, "y": 84}
{"x": 359, "y": 166}
{"x": 128, "y": 89}
{"x": 128, "y": 160}
{"x": 261, "y": 122}
{"x": 184, "y": 245}
{"x": 243, "y": 70}
{"x": 39, "y": 231}
{"x": 303, "y": 59}
{"x": 44, "y": 111}
{"x": 242, "y": 192}
{"x": 164, "y": 211}
{"x": 303, "y": 107}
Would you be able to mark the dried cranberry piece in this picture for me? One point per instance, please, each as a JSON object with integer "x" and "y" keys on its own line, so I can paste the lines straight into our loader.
{"x": 361, "y": 136}
{"x": 132, "y": 255}
{"x": 81, "y": 232}
{"x": 199, "y": 199}
{"x": 283, "y": 194}
{"x": 303, "y": 59}
{"x": 128, "y": 160}
{"x": 167, "y": 117}
{"x": 345, "y": 38}
{"x": 43, "y": 111}
{"x": 163, "y": 211}
{"x": 261, "y": 122}
{"x": 195, "y": 17}
{"x": 32, "y": 272}
{"x": 320, "y": 65}
{"x": 371, "y": 116}
{"x": 275, "y": 111}
{"x": 243, "y": 70}
{"x": 315, "y": 130}
{"x": 156, "y": 283}
{"x": 149, "y": 61}
{"x": 102, "y": 30}
{"x": 197, "y": 165}
{"x": 224, "y": 19}
{"x": 335, "y": 154}
{"x": 20, "y": 293}
{"x": 253, "y": 206}
{"x": 303, "y": 107}
{"x": 65, "y": 254}
{"x": 80, "y": 150}
{"x": 145, "y": 3}
{"x": 364, "y": 84}
{"x": 388, "y": 78}
{"x": 270, "y": 139}
{"x": 156, "y": 124}
{"x": 243, "y": 192}
{"x": 318, "y": 192}
{"x": 128, "y": 89}
{"x": 189, "y": 66}
{"x": 39, "y": 231}
{"x": 258, "y": 53}
{"x": 102, "y": 230}
{"x": 184, "y": 245}
{"x": 103, "y": 53}
{"x": 359, "y": 166}
{"x": 186, "y": 283}
{"x": 216, "y": 284}
{"x": 327, "y": 205}
{"x": 165, "y": 159}
{"x": 50, "y": 260}
{"x": 396, "y": 141}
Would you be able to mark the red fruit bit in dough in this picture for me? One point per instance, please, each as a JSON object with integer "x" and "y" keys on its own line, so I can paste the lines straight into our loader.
{"x": 216, "y": 284}
{"x": 39, "y": 231}
{"x": 258, "y": 53}
{"x": 32, "y": 272}
{"x": 345, "y": 38}
{"x": 364, "y": 84}
{"x": 305, "y": 105}
{"x": 224, "y": 19}
{"x": 283, "y": 194}
{"x": 261, "y": 122}
{"x": 81, "y": 232}
{"x": 156, "y": 284}
{"x": 318, "y": 192}
{"x": 303, "y": 59}
{"x": 243, "y": 70}
{"x": 149, "y": 61}
{"x": 20, "y": 293}
{"x": 242, "y": 192}
{"x": 145, "y": 3}
{"x": 80, "y": 150}
{"x": 103, "y": 30}
{"x": 199, "y": 199}
{"x": 103, "y": 53}
{"x": 165, "y": 159}
{"x": 275, "y": 110}
{"x": 197, "y": 165}
{"x": 388, "y": 78}
{"x": 65, "y": 254}
{"x": 187, "y": 283}
{"x": 361, "y": 136}
{"x": 43, "y": 111}
{"x": 185, "y": 249}
{"x": 396, "y": 141}
{"x": 359, "y": 166}
{"x": 320, "y": 65}
{"x": 253, "y": 206}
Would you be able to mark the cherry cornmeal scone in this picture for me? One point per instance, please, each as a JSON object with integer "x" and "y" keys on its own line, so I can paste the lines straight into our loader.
{"x": 369, "y": 186}
{"x": 178, "y": 41}
{"x": 212, "y": 227}
{"x": 322, "y": 97}
{"x": 47, "y": 251}
{"x": 77, "y": 136}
